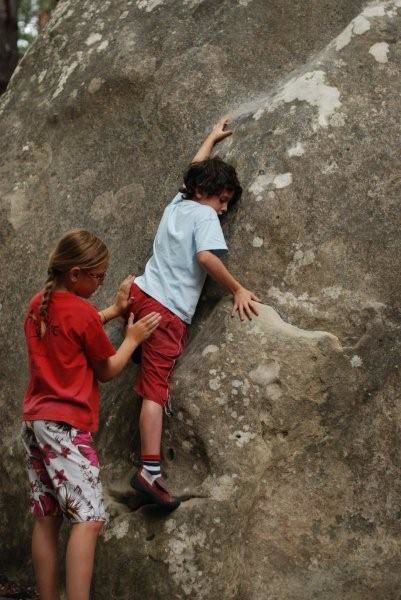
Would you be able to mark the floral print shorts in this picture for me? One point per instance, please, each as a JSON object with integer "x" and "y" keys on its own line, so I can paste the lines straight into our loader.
{"x": 63, "y": 471}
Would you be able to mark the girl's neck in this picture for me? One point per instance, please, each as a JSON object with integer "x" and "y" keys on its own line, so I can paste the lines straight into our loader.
{"x": 61, "y": 286}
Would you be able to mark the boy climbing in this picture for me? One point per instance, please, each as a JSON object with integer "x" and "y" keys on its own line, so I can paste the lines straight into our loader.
{"x": 187, "y": 247}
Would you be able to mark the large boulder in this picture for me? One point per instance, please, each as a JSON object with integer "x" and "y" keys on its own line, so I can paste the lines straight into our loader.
{"x": 285, "y": 439}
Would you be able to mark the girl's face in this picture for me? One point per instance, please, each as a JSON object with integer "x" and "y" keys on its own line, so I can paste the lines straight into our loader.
{"x": 84, "y": 282}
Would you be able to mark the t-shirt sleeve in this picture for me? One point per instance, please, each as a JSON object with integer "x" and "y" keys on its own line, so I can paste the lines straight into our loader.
{"x": 96, "y": 345}
{"x": 208, "y": 235}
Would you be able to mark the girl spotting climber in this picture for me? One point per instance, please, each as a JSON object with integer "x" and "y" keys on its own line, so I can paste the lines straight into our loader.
{"x": 68, "y": 351}
{"x": 187, "y": 246}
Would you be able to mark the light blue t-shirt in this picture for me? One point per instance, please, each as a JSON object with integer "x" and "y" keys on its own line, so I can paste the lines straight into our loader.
{"x": 173, "y": 275}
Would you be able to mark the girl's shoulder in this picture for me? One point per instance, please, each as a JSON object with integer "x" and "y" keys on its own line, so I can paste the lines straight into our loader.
{"x": 36, "y": 300}
{"x": 66, "y": 300}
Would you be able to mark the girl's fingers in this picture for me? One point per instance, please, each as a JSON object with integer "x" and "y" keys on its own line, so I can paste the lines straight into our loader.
{"x": 131, "y": 319}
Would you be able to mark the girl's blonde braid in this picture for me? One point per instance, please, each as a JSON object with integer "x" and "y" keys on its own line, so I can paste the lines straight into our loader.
{"x": 49, "y": 286}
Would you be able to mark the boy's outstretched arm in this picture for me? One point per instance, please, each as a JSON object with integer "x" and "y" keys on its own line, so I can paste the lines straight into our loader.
{"x": 244, "y": 300}
{"x": 218, "y": 133}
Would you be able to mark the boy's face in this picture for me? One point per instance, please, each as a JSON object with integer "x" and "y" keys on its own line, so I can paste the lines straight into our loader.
{"x": 218, "y": 202}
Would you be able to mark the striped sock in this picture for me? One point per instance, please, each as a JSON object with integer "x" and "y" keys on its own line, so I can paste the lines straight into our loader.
{"x": 151, "y": 466}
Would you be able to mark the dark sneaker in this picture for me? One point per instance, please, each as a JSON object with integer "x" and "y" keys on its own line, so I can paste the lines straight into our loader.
{"x": 156, "y": 492}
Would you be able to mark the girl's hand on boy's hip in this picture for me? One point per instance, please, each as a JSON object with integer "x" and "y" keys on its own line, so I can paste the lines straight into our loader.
{"x": 245, "y": 304}
{"x": 143, "y": 328}
{"x": 122, "y": 301}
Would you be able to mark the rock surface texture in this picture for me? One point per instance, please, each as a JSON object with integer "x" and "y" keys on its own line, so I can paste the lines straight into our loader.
{"x": 285, "y": 443}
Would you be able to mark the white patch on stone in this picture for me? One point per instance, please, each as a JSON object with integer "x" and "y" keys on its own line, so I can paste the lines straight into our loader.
{"x": 360, "y": 25}
{"x": 65, "y": 74}
{"x": 311, "y": 88}
{"x": 118, "y": 530}
{"x": 19, "y": 208}
{"x": 257, "y": 242}
{"x": 356, "y": 361}
{"x": 376, "y": 10}
{"x": 346, "y": 36}
{"x": 337, "y": 120}
{"x": 184, "y": 548}
{"x": 297, "y": 150}
{"x": 300, "y": 259}
{"x": 42, "y": 76}
{"x": 237, "y": 383}
{"x": 283, "y": 180}
{"x": 102, "y": 46}
{"x": 93, "y": 38}
{"x": 124, "y": 15}
{"x": 211, "y": 349}
{"x": 273, "y": 392}
{"x": 170, "y": 525}
{"x": 242, "y": 438}
{"x": 269, "y": 180}
{"x": 379, "y": 51}
{"x": 244, "y": 2}
{"x": 148, "y": 5}
{"x": 265, "y": 374}
{"x": 95, "y": 85}
{"x": 261, "y": 183}
{"x": 214, "y": 384}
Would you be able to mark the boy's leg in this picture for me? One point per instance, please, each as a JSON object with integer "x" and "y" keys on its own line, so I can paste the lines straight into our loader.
{"x": 150, "y": 427}
{"x": 80, "y": 558}
{"x": 45, "y": 556}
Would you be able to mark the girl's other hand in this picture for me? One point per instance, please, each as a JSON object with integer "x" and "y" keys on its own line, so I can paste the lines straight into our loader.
{"x": 143, "y": 328}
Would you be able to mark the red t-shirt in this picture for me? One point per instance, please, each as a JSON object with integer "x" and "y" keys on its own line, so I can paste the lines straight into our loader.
{"x": 62, "y": 385}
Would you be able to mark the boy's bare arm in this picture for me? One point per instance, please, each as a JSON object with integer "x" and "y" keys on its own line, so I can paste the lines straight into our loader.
{"x": 218, "y": 133}
{"x": 244, "y": 300}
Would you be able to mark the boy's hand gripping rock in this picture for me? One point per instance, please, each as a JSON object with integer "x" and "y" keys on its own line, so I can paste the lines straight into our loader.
{"x": 220, "y": 131}
{"x": 245, "y": 304}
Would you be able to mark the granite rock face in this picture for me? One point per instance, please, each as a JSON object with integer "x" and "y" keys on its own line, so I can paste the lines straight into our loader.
{"x": 285, "y": 440}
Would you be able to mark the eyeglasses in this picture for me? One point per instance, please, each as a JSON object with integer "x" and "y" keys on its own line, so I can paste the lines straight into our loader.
{"x": 99, "y": 276}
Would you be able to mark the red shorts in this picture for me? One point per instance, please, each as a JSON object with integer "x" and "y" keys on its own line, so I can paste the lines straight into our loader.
{"x": 160, "y": 351}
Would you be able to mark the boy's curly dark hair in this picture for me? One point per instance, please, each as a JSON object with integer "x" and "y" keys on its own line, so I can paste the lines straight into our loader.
{"x": 211, "y": 177}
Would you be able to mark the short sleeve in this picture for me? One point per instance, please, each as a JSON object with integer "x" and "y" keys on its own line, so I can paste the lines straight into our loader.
{"x": 208, "y": 235}
{"x": 95, "y": 343}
